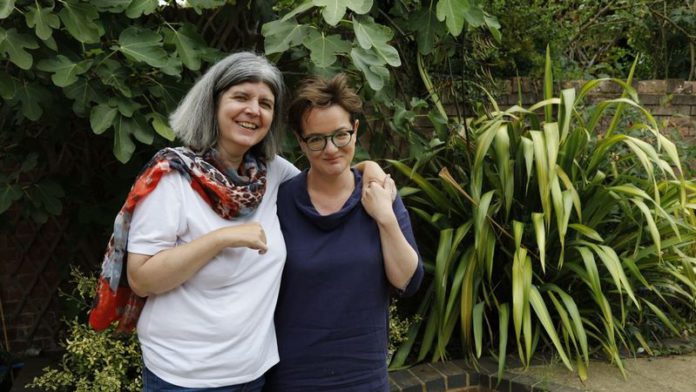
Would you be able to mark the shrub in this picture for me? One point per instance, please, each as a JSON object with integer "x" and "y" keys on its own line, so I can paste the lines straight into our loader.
{"x": 93, "y": 361}
{"x": 561, "y": 226}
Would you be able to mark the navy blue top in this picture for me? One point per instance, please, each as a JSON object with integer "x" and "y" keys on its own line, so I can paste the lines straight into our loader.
{"x": 332, "y": 313}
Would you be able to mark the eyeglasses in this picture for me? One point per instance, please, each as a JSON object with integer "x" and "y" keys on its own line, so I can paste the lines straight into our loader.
{"x": 318, "y": 142}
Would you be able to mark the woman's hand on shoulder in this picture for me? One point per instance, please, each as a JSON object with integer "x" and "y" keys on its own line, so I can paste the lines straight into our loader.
{"x": 377, "y": 199}
{"x": 247, "y": 235}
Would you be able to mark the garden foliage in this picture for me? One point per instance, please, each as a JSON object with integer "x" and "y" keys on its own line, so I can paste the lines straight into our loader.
{"x": 564, "y": 226}
{"x": 567, "y": 226}
{"x": 592, "y": 39}
{"x": 93, "y": 361}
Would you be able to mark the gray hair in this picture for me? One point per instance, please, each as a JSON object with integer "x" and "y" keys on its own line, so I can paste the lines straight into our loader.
{"x": 195, "y": 119}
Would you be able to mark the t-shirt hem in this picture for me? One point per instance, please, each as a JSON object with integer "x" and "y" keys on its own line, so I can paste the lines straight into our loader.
{"x": 210, "y": 383}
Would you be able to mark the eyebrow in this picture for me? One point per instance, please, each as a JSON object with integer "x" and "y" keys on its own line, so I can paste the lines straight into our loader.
{"x": 330, "y": 133}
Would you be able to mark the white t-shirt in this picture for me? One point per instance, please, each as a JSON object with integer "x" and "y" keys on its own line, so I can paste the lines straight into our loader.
{"x": 215, "y": 329}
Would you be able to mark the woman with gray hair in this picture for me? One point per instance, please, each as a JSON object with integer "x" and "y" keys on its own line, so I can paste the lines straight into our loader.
{"x": 199, "y": 238}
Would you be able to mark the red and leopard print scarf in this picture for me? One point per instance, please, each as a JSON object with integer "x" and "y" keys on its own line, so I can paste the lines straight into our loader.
{"x": 228, "y": 192}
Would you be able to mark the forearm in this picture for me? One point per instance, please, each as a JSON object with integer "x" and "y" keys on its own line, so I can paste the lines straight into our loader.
{"x": 400, "y": 259}
{"x": 148, "y": 275}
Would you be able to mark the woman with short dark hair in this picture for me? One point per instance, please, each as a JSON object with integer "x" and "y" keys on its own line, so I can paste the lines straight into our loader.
{"x": 349, "y": 245}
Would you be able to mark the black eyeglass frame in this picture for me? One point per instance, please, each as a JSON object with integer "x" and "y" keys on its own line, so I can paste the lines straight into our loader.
{"x": 326, "y": 138}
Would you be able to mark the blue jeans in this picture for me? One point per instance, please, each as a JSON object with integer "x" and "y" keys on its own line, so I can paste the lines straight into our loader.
{"x": 152, "y": 383}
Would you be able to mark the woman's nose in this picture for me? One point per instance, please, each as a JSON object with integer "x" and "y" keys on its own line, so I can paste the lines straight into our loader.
{"x": 253, "y": 107}
{"x": 330, "y": 146}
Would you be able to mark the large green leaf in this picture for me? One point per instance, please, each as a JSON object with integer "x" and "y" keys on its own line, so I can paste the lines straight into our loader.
{"x": 42, "y": 20}
{"x": 502, "y": 154}
{"x": 548, "y": 84}
{"x": 31, "y": 95}
{"x": 159, "y": 124}
{"x": 371, "y": 35}
{"x": 82, "y": 21}
{"x": 613, "y": 263}
{"x": 455, "y": 12}
{"x": 143, "y": 45}
{"x": 7, "y": 86}
{"x": 323, "y": 49}
{"x": 493, "y": 26}
{"x": 540, "y": 235}
{"x": 441, "y": 268}
{"x": 83, "y": 92}
{"x": 102, "y": 117}
{"x": 371, "y": 66}
{"x": 123, "y": 145}
{"x": 586, "y": 231}
{"x": 173, "y": 67}
{"x": 652, "y": 227}
{"x": 537, "y": 302}
{"x": 334, "y": 10}
{"x": 579, "y": 330}
{"x": 661, "y": 315}
{"x": 142, "y": 131}
{"x": 503, "y": 326}
{"x": 6, "y": 7}
{"x": 483, "y": 143}
{"x": 280, "y": 35}
{"x": 64, "y": 71}
{"x": 15, "y": 45}
{"x": 111, "y": 73}
{"x": 187, "y": 41}
{"x": 468, "y": 297}
{"x": 477, "y": 321}
{"x": 126, "y": 107}
{"x": 427, "y": 28}
{"x": 543, "y": 173}
{"x": 141, "y": 7}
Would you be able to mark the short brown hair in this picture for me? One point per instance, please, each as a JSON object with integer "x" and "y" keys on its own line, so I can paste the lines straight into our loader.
{"x": 319, "y": 92}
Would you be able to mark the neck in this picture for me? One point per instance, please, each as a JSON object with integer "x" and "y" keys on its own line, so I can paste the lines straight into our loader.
{"x": 230, "y": 157}
{"x": 329, "y": 193}
{"x": 330, "y": 185}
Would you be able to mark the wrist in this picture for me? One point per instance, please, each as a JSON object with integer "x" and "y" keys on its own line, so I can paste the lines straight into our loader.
{"x": 386, "y": 220}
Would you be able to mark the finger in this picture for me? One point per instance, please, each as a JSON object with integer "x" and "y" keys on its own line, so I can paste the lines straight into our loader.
{"x": 261, "y": 246}
{"x": 386, "y": 180}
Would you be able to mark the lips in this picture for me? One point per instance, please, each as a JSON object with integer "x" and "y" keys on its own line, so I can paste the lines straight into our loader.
{"x": 333, "y": 159}
{"x": 247, "y": 125}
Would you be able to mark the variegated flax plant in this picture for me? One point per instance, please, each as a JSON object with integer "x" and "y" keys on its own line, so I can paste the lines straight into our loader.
{"x": 566, "y": 227}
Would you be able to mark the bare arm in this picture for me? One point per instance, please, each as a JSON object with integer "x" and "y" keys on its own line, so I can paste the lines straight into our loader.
{"x": 400, "y": 259}
{"x": 148, "y": 275}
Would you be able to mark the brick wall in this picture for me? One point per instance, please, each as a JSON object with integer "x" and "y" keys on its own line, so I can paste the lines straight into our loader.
{"x": 672, "y": 102}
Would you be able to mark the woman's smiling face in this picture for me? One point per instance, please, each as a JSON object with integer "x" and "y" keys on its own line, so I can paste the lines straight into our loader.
{"x": 244, "y": 116}
{"x": 324, "y": 121}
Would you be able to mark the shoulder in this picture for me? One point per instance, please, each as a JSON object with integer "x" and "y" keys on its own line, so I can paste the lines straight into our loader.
{"x": 282, "y": 168}
{"x": 294, "y": 183}
{"x": 278, "y": 163}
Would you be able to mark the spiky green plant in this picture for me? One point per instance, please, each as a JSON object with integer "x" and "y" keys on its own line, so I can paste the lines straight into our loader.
{"x": 565, "y": 226}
